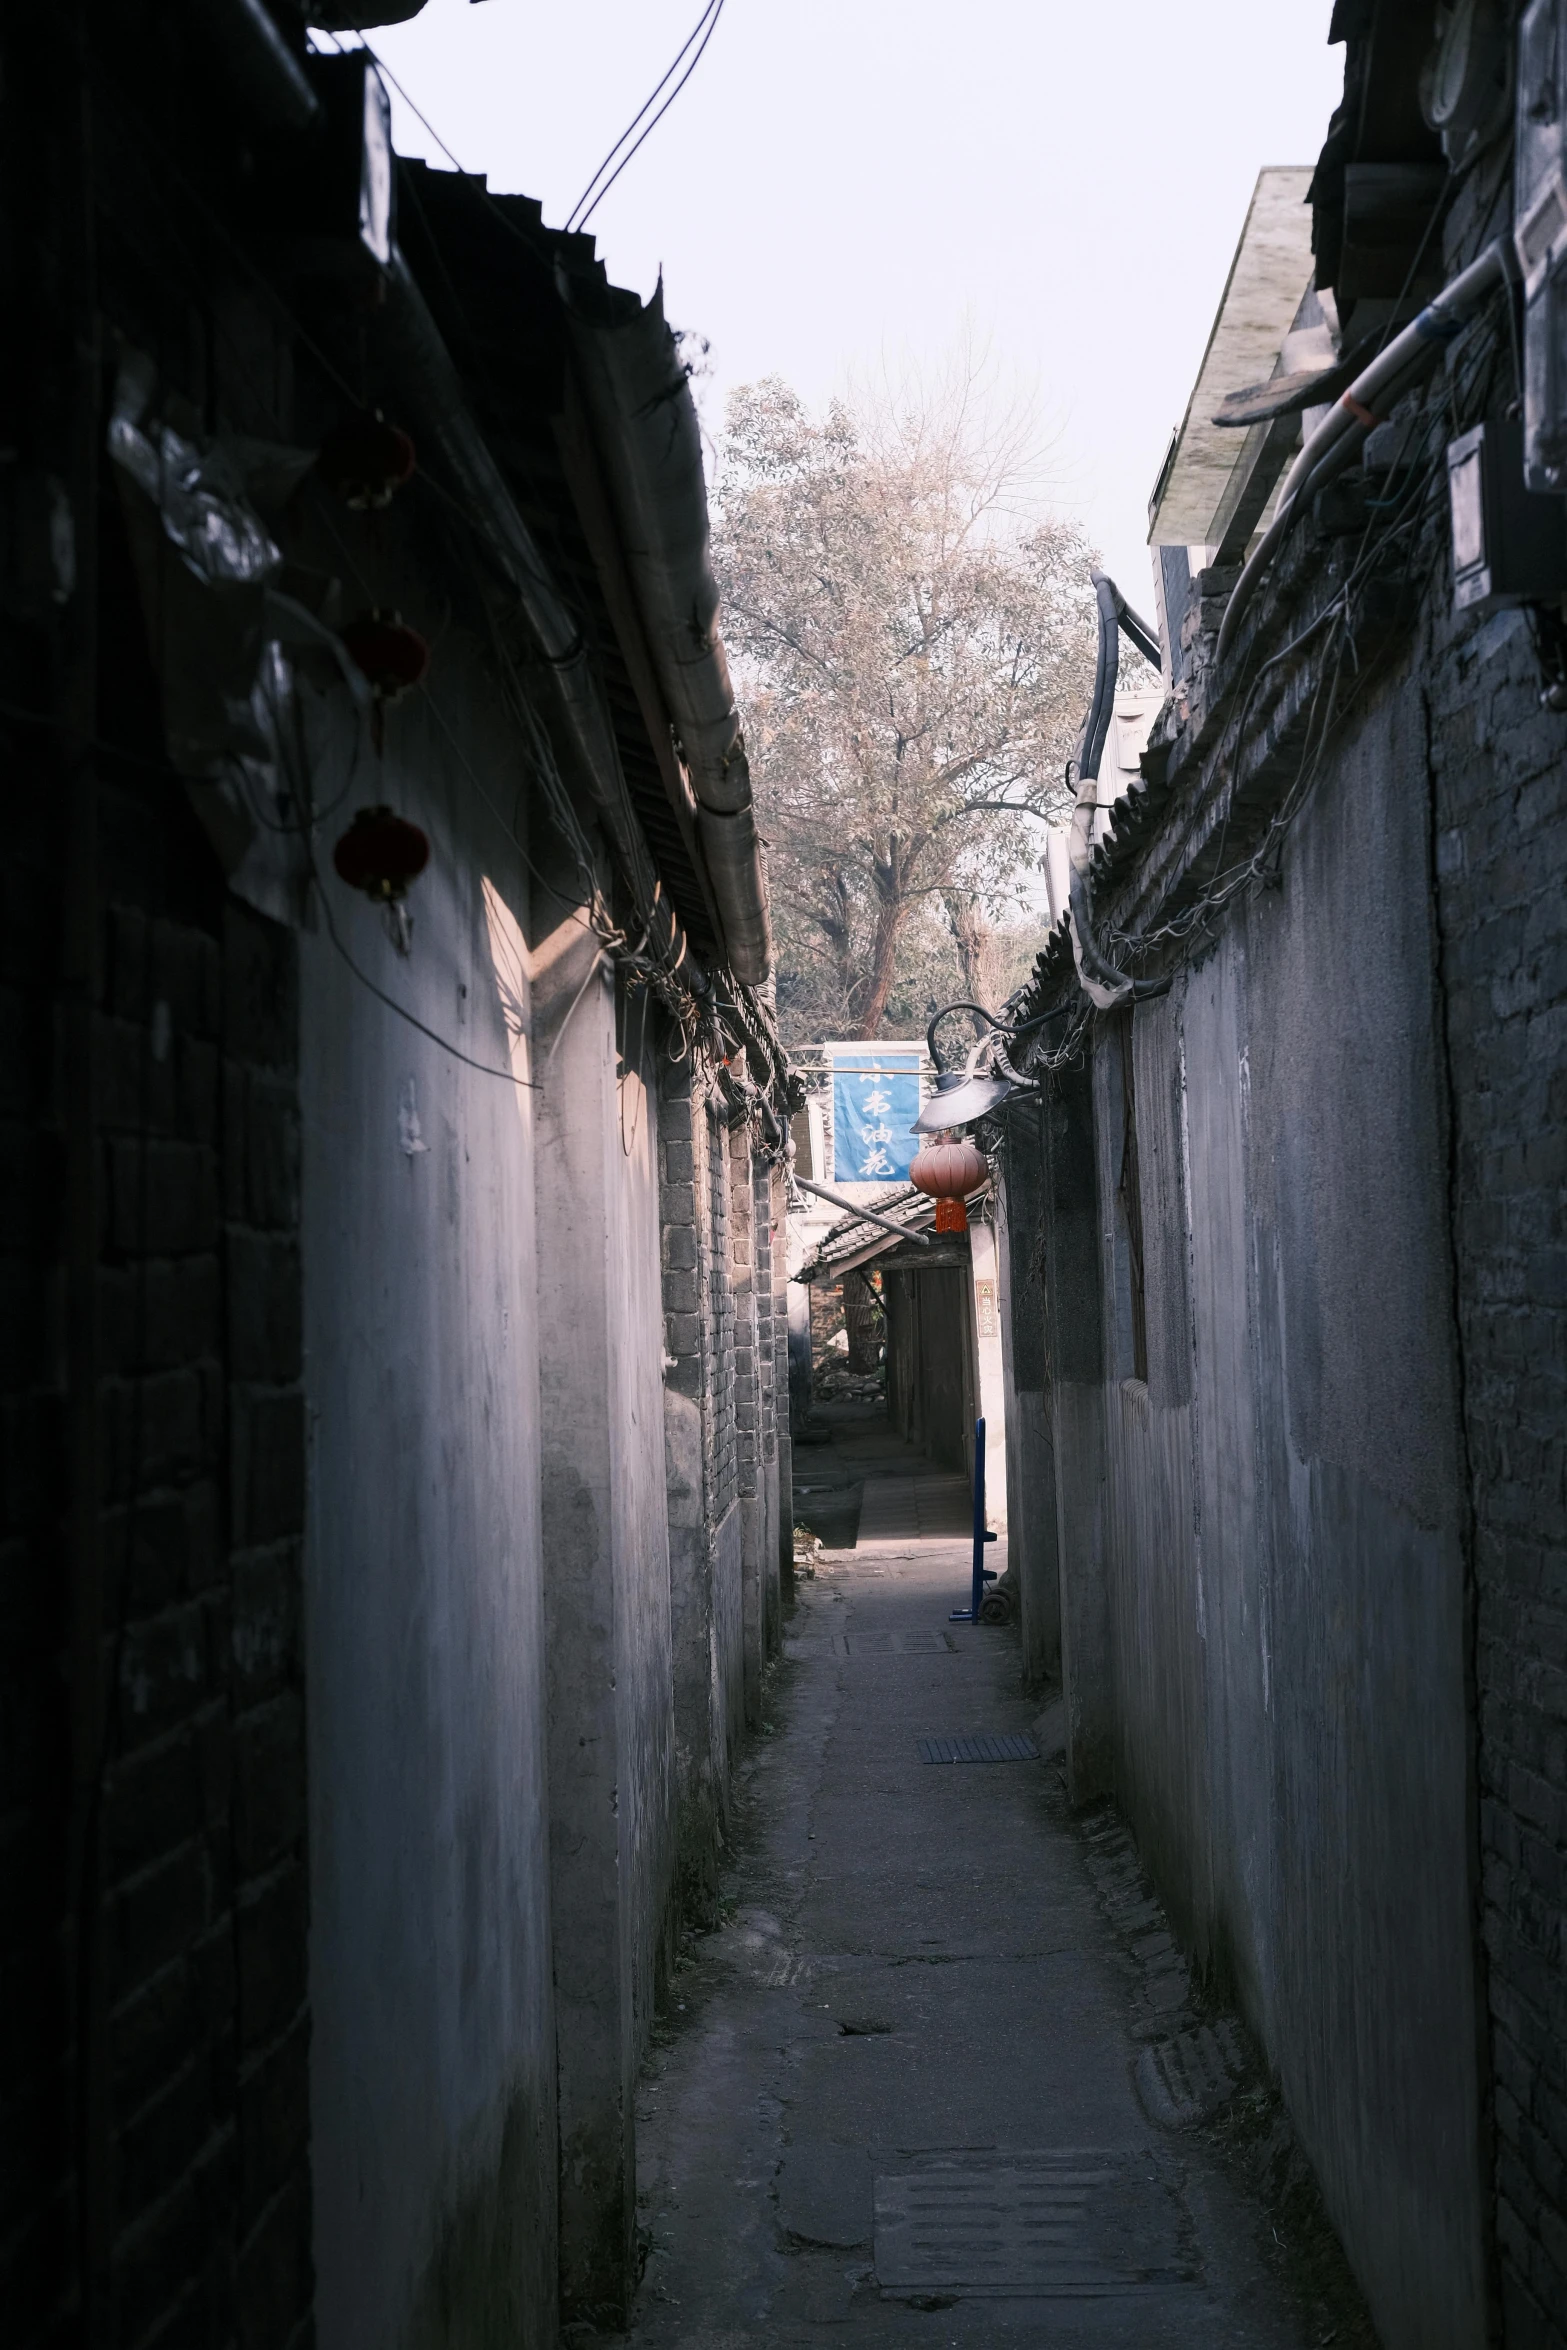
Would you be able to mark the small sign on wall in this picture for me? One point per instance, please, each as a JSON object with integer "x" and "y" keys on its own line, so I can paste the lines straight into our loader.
{"x": 985, "y": 1307}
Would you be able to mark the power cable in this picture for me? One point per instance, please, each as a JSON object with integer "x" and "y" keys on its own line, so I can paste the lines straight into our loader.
{"x": 577, "y": 218}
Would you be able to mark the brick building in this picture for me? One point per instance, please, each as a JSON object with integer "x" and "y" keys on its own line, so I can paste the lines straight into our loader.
{"x": 1284, "y": 1214}
{"x": 394, "y": 1500}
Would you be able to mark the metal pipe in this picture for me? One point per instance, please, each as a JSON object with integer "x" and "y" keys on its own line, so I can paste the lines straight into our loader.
{"x": 1349, "y": 420}
{"x": 866, "y": 1215}
{"x": 1106, "y": 986}
{"x": 974, "y": 1612}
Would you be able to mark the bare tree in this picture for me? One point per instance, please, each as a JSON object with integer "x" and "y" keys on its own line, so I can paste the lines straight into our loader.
{"x": 915, "y": 659}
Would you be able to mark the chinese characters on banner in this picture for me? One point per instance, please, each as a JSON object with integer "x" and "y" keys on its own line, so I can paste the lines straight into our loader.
{"x": 875, "y": 1101}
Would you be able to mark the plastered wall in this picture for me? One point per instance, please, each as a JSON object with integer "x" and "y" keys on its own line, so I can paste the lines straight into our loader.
{"x": 1260, "y": 1511}
{"x": 433, "y": 2107}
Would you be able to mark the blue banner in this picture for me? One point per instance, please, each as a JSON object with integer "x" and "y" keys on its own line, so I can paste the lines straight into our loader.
{"x": 873, "y": 1106}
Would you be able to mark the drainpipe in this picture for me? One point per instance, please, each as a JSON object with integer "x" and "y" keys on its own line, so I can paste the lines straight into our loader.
{"x": 1106, "y": 986}
{"x": 1336, "y": 441}
{"x": 651, "y": 445}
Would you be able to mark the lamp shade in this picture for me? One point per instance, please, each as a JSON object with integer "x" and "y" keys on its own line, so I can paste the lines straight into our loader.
{"x": 959, "y": 1100}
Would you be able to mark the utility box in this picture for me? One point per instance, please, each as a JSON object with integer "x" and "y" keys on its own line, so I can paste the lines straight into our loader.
{"x": 1509, "y": 542}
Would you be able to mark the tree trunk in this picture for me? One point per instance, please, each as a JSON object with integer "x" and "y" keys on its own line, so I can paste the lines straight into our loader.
{"x": 884, "y": 957}
{"x": 863, "y": 1321}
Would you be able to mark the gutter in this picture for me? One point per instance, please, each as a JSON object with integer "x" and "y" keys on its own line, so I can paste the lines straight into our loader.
{"x": 1336, "y": 442}
{"x": 650, "y": 443}
{"x": 447, "y": 425}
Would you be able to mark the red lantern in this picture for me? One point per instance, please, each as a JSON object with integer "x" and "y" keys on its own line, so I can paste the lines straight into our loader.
{"x": 381, "y": 853}
{"x": 365, "y": 460}
{"x": 392, "y": 656}
{"x": 948, "y": 1169}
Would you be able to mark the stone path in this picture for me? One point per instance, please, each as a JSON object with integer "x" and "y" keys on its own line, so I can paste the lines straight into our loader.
{"x": 896, "y": 2102}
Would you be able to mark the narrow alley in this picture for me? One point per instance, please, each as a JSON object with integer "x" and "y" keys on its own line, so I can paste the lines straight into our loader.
{"x": 646, "y": 1024}
{"x": 895, "y": 2094}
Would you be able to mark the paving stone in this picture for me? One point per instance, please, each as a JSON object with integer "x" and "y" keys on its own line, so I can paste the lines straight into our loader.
{"x": 1188, "y": 2079}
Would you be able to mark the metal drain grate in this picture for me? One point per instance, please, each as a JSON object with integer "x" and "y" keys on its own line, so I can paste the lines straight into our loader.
{"x": 1014, "y": 1748}
{"x": 1067, "y": 2225}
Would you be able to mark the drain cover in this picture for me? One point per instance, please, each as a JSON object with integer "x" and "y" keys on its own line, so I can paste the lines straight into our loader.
{"x": 1015, "y": 1748}
{"x": 1068, "y": 2225}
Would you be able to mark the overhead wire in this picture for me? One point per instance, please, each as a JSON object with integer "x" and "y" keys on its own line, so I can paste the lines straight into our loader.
{"x": 582, "y": 211}
{"x": 696, "y": 1023}
{"x": 1409, "y": 513}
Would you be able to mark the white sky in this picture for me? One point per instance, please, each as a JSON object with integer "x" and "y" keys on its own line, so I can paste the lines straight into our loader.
{"x": 848, "y": 181}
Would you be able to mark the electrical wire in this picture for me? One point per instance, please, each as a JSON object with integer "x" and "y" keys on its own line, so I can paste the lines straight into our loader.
{"x": 1393, "y": 527}
{"x": 577, "y": 218}
{"x": 484, "y": 1068}
{"x": 1412, "y": 510}
{"x": 700, "y": 1026}
{"x": 582, "y": 211}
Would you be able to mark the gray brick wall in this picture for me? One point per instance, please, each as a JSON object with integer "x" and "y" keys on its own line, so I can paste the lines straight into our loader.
{"x": 742, "y": 1282}
{"x": 36, "y": 2203}
{"x": 1499, "y": 775}
{"x": 723, "y": 1453}
{"x": 1498, "y": 771}
{"x": 766, "y": 1304}
{"x": 197, "y": 1934}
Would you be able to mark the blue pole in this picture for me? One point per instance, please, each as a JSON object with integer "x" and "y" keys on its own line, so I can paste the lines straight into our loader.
{"x": 982, "y": 1573}
{"x": 979, "y": 1521}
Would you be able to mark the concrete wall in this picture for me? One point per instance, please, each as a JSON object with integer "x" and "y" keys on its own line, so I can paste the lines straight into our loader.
{"x": 1030, "y": 1446}
{"x": 699, "y": 1439}
{"x": 1262, "y": 1572}
{"x": 988, "y": 1356}
{"x": 607, "y": 1591}
{"x": 433, "y": 2057}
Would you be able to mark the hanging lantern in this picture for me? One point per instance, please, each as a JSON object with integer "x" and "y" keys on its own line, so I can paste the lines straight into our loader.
{"x": 382, "y": 854}
{"x": 365, "y": 460}
{"x": 948, "y": 1169}
{"x": 393, "y": 656}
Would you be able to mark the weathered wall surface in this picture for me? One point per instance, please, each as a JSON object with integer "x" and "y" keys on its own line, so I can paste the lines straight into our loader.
{"x": 1032, "y": 1532}
{"x": 1499, "y": 781}
{"x": 644, "y": 1673}
{"x": 433, "y": 2093}
{"x": 931, "y": 1381}
{"x": 1275, "y": 1654}
{"x": 155, "y": 2103}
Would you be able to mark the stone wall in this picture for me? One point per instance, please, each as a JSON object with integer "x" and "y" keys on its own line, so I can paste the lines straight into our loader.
{"x": 1498, "y": 783}
{"x": 181, "y": 1879}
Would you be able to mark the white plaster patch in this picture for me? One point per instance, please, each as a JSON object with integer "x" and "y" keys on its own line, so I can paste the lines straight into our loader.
{"x": 410, "y": 1137}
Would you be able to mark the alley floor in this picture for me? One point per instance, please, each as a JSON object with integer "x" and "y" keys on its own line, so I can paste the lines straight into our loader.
{"x": 895, "y": 2098}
